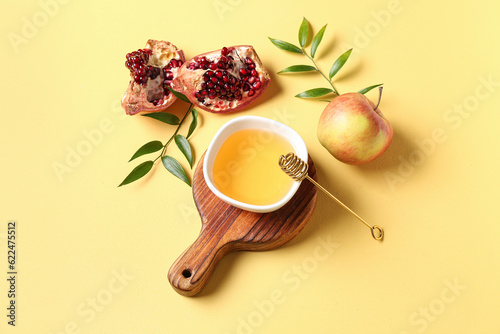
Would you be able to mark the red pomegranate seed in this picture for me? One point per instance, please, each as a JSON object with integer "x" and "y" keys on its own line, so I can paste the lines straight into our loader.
{"x": 141, "y": 71}
{"x": 218, "y": 82}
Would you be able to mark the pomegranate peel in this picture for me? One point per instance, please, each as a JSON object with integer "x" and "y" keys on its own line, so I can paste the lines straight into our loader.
{"x": 223, "y": 80}
{"x": 152, "y": 70}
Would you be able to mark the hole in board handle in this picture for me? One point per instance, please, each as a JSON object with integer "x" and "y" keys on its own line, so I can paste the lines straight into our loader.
{"x": 186, "y": 273}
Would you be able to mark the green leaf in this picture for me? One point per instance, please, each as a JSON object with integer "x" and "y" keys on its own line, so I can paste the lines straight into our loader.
{"x": 174, "y": 167}
{"x": 337, "y": 65}
{"x": 285, "y": 45}
{"x": 303, "y": 32}
{"x": 138, "y": 172}
{"x": 185, "y": 148}
{"x": 194, "y": 123}
{"x": 316, "y": 40}
{"x": 297, "y": 68}
{"x": 179, "y": 95}
{"x": 367, "y": 89}
{"x": 164, "y": 117}
{"x": 316, "y": 92}
{"x": 147, "y": 148}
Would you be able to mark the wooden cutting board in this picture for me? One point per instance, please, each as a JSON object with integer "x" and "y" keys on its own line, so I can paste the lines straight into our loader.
{"x": 226, "y": 229}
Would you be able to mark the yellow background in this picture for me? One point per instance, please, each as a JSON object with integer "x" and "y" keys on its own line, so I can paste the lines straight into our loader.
{"x": 93, "y": 258}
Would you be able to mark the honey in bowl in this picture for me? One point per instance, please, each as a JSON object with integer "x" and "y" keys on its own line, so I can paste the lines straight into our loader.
{"x": 246, "y": 167}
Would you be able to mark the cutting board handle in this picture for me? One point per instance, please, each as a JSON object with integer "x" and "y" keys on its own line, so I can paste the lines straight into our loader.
{"x": 192, "y": 270}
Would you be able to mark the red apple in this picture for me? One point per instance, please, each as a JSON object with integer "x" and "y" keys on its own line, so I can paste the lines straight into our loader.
{"x": 353, "y": 129}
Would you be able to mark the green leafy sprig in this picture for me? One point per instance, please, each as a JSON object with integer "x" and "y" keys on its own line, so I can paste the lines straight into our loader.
{"x": 337, "y": 65}
{"x": 169, "y": 162}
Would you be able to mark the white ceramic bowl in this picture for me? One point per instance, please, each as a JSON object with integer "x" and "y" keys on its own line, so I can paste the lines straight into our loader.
{"x": 252, "y": 122}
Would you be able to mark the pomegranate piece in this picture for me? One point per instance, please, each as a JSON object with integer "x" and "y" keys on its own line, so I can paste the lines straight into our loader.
{"x": 224, "y": 80}
{"x": 152, "y": 70}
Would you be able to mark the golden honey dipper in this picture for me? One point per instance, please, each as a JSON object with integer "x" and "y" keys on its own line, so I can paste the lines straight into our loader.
{"x": 296, "y": 168}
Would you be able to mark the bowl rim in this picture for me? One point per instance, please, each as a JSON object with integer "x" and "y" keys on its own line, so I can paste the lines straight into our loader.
{"x": 252, "y": 122}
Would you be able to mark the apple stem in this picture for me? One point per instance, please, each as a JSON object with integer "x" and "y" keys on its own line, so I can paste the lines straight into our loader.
{"x": 379, "y": 97}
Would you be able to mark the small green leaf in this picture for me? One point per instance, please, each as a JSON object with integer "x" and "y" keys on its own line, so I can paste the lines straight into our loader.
{"x": 367, "y": 89}
{"x": 297, "y": 68}
{"x": 164, "y": 117}
{"x": 194, "y": 123}
{"x": 337, "y": 65}
{"x": 147, "y": 148}
{"x": 316, "y": 40}
{"x": 316, "y": 92}
{"x": 174, "y": 167}
{"x": 179, "y": 95}
{"x": 303, "y": 32}
{"x": 285, "y": 45}
{"x": 138, "y": 172}
{"x": 185, "y": 148}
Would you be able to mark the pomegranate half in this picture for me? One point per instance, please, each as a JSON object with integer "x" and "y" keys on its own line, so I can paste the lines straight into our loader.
{"x": 223, "y": 80}
{"x": 152, "y": 70}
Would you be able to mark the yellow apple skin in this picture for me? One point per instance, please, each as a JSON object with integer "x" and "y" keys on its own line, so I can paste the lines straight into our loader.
{"x": 352, "y": 131}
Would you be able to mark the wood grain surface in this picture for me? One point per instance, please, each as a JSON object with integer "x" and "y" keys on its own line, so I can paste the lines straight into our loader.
{"x": 226, "y": 229}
